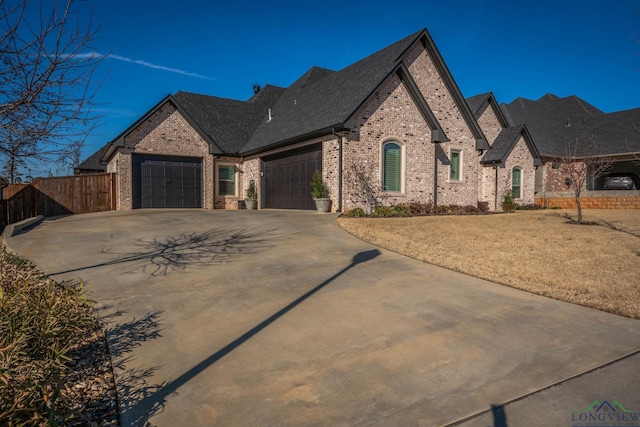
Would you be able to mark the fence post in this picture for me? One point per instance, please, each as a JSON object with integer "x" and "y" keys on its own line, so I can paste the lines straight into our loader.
{"x": 113, "y": 191}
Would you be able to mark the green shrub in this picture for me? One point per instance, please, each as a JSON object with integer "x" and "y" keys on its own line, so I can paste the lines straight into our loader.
{"x": 508, "y": 204}
{"x": 251, "y": 191}
{"x": 319, "y": 188}
{"x": 357, "y": 213}
{"x": 381, "y": 212}
{"x": 400, "y": 210}
{"x": 38, "y": 320}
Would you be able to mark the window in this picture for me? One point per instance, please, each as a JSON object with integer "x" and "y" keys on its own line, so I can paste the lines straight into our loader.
{"x": 391, "y": 167}
{"x": 227, "y": 180}
{"x": 454, "y": 170}
{"x": 516, "y": 183}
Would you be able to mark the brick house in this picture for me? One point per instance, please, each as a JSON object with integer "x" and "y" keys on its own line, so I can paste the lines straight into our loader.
{"x": 572, "y": 128}
{"x": 390, "y": 128}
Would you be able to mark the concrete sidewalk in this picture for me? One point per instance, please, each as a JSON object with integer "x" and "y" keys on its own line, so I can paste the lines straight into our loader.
{"x": 282, "y": 318}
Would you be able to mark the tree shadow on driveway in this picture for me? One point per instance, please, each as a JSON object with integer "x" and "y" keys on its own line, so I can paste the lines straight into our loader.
{"x": 160, "y": 255}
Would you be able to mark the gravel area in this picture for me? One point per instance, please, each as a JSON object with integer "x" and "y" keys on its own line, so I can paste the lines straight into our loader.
{"x": 88, "y": 394}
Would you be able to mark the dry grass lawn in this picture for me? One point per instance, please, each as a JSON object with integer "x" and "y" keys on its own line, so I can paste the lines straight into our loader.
{"x": 596, "y": 266}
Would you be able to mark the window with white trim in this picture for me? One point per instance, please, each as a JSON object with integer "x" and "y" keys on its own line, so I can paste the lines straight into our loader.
{"x": 392, "y": 167}
{"x": 516, "y": 183}
{"x": 226, "y": 180}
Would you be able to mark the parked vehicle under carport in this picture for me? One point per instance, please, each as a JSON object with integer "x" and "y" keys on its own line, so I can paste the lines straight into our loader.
{"x": 621, "y": 181}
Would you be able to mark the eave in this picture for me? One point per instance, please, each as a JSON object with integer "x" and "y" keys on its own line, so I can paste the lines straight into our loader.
{"x": 298, "y": 138}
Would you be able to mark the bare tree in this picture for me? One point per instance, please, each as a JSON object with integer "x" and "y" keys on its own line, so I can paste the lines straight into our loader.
{"x": 371, "y": 195}
{"x": 46, "y": 84}
{"x": 583, "y": 158}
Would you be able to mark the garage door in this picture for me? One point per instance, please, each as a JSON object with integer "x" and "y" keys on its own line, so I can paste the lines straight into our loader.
{"x": 166, "y": 182}
{"x": 287, "y": 178}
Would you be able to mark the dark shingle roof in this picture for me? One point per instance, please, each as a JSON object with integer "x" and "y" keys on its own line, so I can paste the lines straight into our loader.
{"x": 477, "y": 101}
{"x": 92, "y": 163}
{"x": 506, "y": 141}
{"x": 547, "y": 119}
{"x": 321, "y": 99}
{"x": 502, "y": 145}
{"x": 228, "y": 122}
{"x": 616, "y": 133}
{"x": 558, "y": 123}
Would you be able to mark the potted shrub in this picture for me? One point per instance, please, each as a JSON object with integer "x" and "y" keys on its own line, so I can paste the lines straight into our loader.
{"x": 251, "y": 201}
{"x": 320, "y": 192}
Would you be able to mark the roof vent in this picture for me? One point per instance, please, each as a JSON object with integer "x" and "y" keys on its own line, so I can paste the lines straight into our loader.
{"x": 256, "y": 89}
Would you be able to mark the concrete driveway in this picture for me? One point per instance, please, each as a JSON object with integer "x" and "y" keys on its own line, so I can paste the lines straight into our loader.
{"x": 282, "y": 318}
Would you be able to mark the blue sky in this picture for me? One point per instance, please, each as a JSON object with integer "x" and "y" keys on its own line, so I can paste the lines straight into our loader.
{"x": 514, "y": 48}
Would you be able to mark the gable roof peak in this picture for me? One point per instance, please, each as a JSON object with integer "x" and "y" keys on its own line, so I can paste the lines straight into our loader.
{"x": 549, "y": 97}
{"x": 477, "y": 101}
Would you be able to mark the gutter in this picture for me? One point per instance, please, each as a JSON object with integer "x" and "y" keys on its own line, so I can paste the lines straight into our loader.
{"x": 290, "y": 141}
{"x": 333, "y": 132}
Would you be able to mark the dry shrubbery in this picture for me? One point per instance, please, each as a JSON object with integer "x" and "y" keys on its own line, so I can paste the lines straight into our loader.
{"x": 38, "y": 320}
{"x": 420, "y": 209}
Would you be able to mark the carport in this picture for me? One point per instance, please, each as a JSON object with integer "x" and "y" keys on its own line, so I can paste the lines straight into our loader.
{"x": 625, "y": 166}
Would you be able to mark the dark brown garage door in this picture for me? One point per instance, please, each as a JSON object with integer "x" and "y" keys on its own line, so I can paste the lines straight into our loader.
{"x": 287, "y": 178}
{"x": 166, "y": 182}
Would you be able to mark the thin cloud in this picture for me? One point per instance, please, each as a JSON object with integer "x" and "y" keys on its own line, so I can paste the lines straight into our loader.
{"x": 93, "y": 55}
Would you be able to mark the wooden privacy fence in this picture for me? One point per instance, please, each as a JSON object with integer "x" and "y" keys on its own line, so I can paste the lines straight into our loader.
{"x": 11, "y": 189}
{"x": 63, "y": 195}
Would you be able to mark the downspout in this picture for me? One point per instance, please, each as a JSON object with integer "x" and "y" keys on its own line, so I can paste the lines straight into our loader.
{"x": 495, "y": 195}
{"x": 215, "y": 180}
{"x": 333, "y": 131}
{"x": 435, "y": 176}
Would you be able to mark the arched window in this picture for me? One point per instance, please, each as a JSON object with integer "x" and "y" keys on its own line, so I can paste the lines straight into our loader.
{"x": 391, "y": 167}
{"x": 516, "y": 183}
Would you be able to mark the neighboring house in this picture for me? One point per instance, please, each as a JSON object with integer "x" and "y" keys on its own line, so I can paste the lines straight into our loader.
{"x": 390, "y": 128}
{"x": 570, "y": 127}
{"x": 512, "y": 162}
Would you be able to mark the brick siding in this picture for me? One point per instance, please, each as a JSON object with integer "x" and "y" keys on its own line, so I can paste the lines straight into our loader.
{"x": 441, "y": 102}
{"x": 489, "y": 123}
{"x": 390, "y": 115}
{"x": 165, "y": 132}
{"x": 556, "y": 176}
